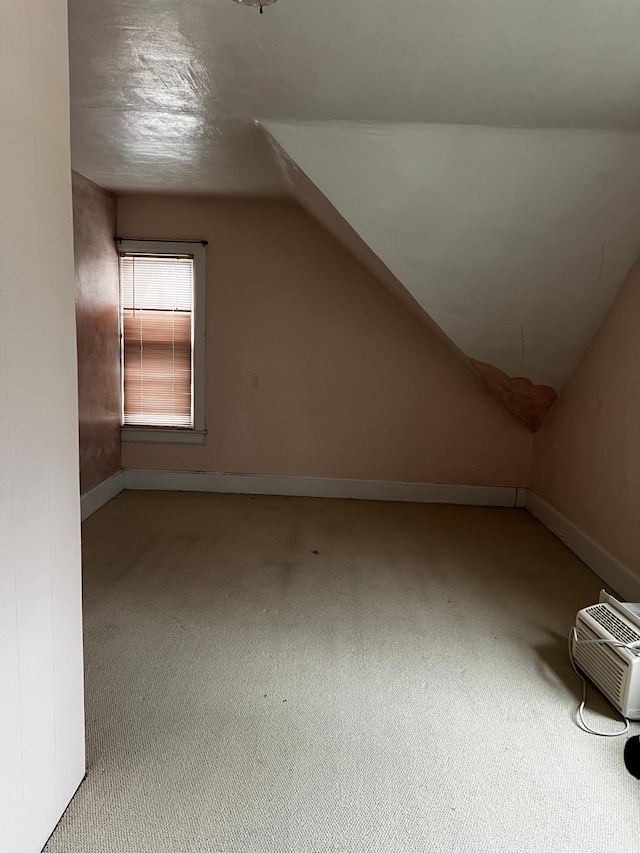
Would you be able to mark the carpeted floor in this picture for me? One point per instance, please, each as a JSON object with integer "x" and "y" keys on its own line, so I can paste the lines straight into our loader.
{"x": 291, "y": 675}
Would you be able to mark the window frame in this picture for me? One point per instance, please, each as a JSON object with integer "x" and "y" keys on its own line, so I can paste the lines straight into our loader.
{"x": 167, "y": 434}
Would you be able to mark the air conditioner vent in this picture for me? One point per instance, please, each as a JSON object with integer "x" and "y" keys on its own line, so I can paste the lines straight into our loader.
{"x": 605, "y": 668}
{"x": 616, "y": 627}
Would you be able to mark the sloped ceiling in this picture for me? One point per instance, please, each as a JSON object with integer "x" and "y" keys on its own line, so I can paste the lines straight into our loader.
{"x": 513, "y": 241}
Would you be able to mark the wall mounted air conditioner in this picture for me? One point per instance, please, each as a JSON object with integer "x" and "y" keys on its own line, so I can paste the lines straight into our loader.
{"x": 614, "y": 669}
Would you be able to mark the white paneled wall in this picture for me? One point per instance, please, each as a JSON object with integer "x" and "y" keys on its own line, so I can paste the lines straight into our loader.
{"x": 41, "y": 688}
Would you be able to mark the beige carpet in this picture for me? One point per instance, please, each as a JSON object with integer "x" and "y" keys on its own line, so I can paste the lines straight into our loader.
{"x": 290, "y": 675}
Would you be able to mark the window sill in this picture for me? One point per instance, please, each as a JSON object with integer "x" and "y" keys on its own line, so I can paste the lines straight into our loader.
{"x": 163, "y": 435}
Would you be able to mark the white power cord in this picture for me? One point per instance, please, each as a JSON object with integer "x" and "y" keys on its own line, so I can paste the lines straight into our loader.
{"x": 573, "y": 638}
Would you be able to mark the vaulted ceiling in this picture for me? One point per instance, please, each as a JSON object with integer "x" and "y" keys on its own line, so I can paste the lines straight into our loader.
{"x": 513, "y": 241}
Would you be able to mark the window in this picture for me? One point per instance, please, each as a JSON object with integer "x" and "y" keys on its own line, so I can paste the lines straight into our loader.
{"x": 162, "y": 334}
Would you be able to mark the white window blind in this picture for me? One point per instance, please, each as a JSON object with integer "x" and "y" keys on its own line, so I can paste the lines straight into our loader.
{"x": 157, "y": 327}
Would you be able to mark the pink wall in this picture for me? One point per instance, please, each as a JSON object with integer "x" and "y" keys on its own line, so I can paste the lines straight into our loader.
{"x": 586, "y": 460}
{"x": 97, "y": 300}
{"x": 352, "y": 384}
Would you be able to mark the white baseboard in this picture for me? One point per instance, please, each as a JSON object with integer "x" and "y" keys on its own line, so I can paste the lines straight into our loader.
{"x": 101, "y": 494}
{"x": 605, "y": 565}
{"x": 618, "y": 576}
{"x": 318, "y": 487}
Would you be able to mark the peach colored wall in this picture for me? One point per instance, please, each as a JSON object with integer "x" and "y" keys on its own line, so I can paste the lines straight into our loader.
{"x": 97, "y": 301}
{"x": 352, "y": 384}
{"x": 586, "y": 460}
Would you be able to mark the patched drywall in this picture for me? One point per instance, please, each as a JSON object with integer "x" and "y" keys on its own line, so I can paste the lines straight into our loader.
{"x": 586, "y": 460}
{"x": 350, "y": 383}
{"x": 98, "y": 335}
{"x": 513, "y": 241}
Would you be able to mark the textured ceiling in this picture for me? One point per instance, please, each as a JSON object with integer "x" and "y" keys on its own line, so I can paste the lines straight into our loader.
{"x": 513, "y": 241}
{"x": 164, "y": 93}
